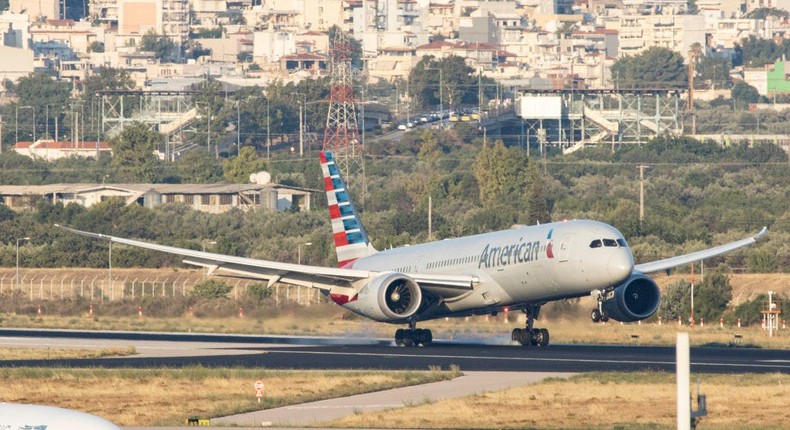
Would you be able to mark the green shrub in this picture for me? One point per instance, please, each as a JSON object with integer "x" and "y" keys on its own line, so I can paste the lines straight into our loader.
{"x": 211, "y": 289}
{"x": 259, "y": 291}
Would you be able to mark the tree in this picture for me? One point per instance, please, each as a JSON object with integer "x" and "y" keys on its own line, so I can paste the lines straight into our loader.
{"x": 501, "y": 173}
{"x": 676, "y": 301}
{"x": 162, "y": 46}
{"x": 653, "y": 68}
{"x": 714, "y": 71}
{"x": 96, "y": 46}
{"x": 133, "y": 153}
{"x": 239, "y": 169}
{"x": 46, "y": 95}
{"x": 448, "y": 81}
{"x": 538, "y": 204}
{"x": 712, "y": 296}
{"x": 744, "y": 94}
{"x": 430, "y": 150}
{"x": 199, "y": 167}
{"x": 762, "y": 13}
{"x": 211, "y": 289}
{"x": 757, "y": 52}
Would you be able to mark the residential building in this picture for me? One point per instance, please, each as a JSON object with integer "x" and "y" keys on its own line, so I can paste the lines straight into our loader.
{"x": 676, "y": 32}
{"x": 51, "y": 150}
{"x": 211, "y": 198}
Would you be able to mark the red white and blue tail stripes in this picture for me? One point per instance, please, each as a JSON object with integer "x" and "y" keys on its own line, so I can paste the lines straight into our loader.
{"x": 351, "y": 241}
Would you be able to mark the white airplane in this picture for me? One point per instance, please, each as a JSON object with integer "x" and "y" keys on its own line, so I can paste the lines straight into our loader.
{"x": 14, "y": 416}
{"x": 519, "y": 269}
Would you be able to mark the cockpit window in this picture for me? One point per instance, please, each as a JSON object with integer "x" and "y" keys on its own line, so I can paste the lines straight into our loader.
{"x": 596, "y": 243}
{"x": 622, "y": 243}
{"x": 610, "y": 243}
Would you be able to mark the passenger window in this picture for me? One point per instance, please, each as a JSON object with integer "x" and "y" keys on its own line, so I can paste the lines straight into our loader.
{"x": 595, "y": 243}
{"x": 610, "y": 242}
{"x": 622, "y": 243}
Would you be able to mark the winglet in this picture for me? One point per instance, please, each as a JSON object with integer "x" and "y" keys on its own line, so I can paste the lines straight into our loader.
{"x": 761, "y": 233}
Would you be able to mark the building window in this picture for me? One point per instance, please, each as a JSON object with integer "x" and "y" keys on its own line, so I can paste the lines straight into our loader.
{"x": 205, "y": 199}
{"x": 226, "y": 199}
{"x": 170, "y": 198}
{"x": 189, "y": 199}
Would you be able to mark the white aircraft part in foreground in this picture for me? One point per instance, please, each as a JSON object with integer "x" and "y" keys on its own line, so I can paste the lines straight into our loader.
{"x": 15, "y": 416}
{"x": 521, "y": 268}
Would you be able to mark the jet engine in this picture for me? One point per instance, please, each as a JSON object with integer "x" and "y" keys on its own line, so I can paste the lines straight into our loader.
{"x": 634, "y": 300}
{"x": 390, "y": 297}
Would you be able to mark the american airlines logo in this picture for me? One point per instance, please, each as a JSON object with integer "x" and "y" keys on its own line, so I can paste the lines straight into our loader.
{"x": 520, "y": 252}
{"x": 495, "y": 256}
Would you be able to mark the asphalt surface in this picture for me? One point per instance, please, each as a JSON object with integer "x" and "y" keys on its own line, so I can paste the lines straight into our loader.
{"x": 283, "y": 352}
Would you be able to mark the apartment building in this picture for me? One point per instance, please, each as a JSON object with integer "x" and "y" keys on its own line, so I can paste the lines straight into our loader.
{"x": 676, "y": 32}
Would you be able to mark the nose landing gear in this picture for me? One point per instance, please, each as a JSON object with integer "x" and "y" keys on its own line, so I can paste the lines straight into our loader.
{"x": 599, "y": 314}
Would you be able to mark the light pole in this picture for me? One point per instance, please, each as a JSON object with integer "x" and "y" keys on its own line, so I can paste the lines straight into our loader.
{"x": 299, "y": 251}
{"x": 208, "y": 125}
{"x": 19, "y": 239}
{"x": 301, "y": 128}
{"x": 238, "y": 128}
{"x": 268, "y": 131}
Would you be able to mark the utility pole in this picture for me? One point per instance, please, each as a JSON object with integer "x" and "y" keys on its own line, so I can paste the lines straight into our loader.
{"x": 301, "y": 129}
{"x": 642, "y": 168}
{"x": 1, "y": 134}
{"x": 693, "y": 55}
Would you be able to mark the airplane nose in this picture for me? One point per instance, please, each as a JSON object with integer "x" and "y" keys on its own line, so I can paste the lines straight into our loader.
{"x": 620, "y": 266}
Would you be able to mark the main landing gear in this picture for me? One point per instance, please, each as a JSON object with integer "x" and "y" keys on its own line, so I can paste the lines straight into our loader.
{"x": 599, "y": 314}
{"x": 530, "y": 336}
{"x": 413, "y": 336}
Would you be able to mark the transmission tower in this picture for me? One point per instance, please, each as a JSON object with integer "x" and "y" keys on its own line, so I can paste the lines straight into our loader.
{"x": 341, "y": 136}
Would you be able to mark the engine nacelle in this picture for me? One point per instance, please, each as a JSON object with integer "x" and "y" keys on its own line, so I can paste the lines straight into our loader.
{"x": 634, "y": 300}
{"x": 390, "y": 297}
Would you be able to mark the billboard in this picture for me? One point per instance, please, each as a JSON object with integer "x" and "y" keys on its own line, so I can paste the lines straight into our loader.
{"x": 541, "y": 107}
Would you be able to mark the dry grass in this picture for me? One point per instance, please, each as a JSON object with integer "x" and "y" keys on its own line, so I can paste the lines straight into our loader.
{"x": 595, "y": 401}
{"x": 14, "y": 353}
{"x": 142, "y": 397}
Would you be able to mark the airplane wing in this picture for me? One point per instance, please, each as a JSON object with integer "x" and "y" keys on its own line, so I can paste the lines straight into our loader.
{"x": 324, "y": 278}
{"x": 668, "y": 263}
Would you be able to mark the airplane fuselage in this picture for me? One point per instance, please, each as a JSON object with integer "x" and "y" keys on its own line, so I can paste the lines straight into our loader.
{"x": 524, "y": 265}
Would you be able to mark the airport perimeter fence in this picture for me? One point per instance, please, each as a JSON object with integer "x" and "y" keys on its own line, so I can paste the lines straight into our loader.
{"x": 39, "y": 287}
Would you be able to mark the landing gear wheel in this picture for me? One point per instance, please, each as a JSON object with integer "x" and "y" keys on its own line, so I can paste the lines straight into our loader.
{"x": 413, "y": 337}
{"x": 422, "y": 337}
{"x": 595, "y": 315}
{"x": 408, "y": 338}
{"x": 399, "y": 334}
{"x": 542, "y": 337}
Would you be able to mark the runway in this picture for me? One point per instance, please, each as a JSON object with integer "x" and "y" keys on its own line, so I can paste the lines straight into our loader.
{"x": 286, "y": 352}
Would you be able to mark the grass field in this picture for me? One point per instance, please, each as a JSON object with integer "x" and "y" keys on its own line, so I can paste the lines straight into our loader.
{"x": 644, "y": 400}
{"x": 600, "y": 401}
{"x": 45, "y": 353}
{"x": 142, "y": 397}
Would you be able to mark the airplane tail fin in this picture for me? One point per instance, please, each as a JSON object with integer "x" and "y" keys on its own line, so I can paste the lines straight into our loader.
{"x": 351, "y": 240}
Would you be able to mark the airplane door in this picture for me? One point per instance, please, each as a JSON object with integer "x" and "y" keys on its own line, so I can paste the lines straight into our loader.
{"x": 565, "y": 247}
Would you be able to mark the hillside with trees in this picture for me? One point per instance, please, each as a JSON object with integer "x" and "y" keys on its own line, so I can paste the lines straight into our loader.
{"x": 697, "y": 194}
